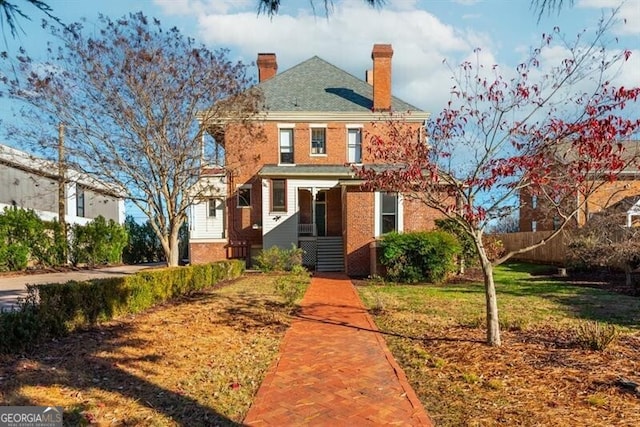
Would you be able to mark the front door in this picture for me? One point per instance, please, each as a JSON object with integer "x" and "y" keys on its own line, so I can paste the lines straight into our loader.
{"x": 321, "y": 213}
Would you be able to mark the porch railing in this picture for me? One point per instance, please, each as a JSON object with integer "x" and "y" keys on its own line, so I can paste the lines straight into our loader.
{"x": 306, "y": 229}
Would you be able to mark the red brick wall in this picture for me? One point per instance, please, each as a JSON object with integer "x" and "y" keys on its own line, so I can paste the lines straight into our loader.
{"x": 202, "y": 253}
{"x": 358, "y": 214}
{"x": 419, "y": 217}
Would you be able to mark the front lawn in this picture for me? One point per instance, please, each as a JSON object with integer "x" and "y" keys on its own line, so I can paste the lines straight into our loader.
{"x": 195, "y": 361}
{"x": 540, "y": 376}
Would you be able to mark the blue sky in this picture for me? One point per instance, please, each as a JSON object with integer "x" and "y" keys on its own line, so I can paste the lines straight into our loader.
{"x": 423, "y": 33}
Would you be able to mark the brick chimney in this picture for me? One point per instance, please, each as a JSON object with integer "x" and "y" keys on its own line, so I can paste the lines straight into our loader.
{"x": 381, "y": 56}
{"x": 267, "y": 66}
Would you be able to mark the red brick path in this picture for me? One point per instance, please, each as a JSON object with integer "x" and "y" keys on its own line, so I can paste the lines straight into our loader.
{"x": 334, "y": 368}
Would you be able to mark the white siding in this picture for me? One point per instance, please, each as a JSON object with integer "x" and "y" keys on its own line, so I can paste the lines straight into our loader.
{"x": 28, "y": 190}
{"x": 202, "y": 226}
{"x": 281, "y": 228}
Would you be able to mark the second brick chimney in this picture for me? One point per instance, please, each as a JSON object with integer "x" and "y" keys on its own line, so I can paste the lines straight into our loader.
{"x": 267, "y": 66}
{"x": 381, "y": 55}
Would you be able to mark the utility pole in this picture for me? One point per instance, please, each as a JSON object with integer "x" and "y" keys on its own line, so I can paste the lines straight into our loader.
{"x": 62, "y": 198}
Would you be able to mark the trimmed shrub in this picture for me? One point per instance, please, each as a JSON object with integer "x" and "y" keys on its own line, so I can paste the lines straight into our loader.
{"x": 23, "y": 237}
{"x": 65, "y": 307}
{"x": 98, "y": 242}
{"x": 278, "y": 259}
{"x": 468, "y": 249}
{"x": 419, "y": 256}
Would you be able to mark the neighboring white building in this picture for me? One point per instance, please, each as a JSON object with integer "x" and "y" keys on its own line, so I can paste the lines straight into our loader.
{"x": 207, "y": 215}
{"x": 28, "y": 182}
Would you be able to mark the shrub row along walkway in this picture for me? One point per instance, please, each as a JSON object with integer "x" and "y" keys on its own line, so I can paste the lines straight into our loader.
{"x": 334, "y": 368}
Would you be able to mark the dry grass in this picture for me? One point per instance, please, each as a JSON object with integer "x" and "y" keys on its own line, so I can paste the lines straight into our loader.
{"x": 539, "y": 377}
{"x": 197, "y": 361}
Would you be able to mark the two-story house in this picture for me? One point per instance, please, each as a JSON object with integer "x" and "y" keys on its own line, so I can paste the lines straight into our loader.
{"x": 297, "y": 185}
{"x": 29, "y": 182}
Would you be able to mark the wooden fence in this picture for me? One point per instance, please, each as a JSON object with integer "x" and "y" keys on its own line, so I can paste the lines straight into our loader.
{"x": 552, "y": 252}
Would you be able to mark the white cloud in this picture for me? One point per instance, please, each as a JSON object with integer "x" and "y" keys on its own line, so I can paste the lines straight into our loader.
{"x": 420, "y": 40}
{"x": 629, "y": 13}
{"x": 198, "y": 7}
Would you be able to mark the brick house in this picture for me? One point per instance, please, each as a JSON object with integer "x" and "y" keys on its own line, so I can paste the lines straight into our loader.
{"x": 538, "y": 214}
{"x": 295, "y": 185}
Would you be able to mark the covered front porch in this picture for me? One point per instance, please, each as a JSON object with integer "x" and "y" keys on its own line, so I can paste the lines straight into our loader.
{"x": 302, "y": 206}
{"x": 320, "y": 228}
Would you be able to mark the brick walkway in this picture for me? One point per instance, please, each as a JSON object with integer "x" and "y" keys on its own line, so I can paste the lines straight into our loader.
{"x": 334, "y": 368}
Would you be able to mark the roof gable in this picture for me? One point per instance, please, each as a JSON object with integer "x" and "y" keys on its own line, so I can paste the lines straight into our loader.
{"x": 316, "y": 85}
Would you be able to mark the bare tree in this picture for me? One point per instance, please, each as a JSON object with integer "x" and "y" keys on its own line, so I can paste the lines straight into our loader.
{"x": 606, "y": 241}
{"x": 11, "y": 13}
{"x": 130, "y": 97}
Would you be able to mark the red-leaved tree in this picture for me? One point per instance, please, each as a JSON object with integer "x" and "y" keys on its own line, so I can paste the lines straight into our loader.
{"x": 553, "y": 131}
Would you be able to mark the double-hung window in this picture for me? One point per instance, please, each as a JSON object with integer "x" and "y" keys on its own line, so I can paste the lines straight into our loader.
{"x": 354, "y": 145}
{"x": 318, "y": 140}
{"x": 388, "y": 212}
{"x": 278, "y": 195}
{"x": 286, "y": 146}
{"x": 244, "y": 196}
{"x": 80, "y": 211}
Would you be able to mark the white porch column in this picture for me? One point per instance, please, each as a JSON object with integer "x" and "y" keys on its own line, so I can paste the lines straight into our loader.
{"x": 314, "y": 193}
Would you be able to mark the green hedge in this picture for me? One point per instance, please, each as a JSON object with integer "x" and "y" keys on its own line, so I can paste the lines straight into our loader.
{"x": 419, "y": 256}
{"x": 65, "y": 307}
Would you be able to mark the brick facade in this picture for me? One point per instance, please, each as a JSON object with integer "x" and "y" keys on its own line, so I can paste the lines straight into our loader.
{"x": 350, "y": 212}
{"x": 606, "y": 195}
{"x": 358, "y": 211}
{"x": 202, "y": 253}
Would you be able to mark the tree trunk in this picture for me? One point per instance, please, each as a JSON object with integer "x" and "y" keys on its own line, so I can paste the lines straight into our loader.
{"x": 173, "y": 257}
{"x": 493, "y": 323}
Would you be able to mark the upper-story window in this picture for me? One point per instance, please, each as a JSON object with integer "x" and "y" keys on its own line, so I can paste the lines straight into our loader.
{"x": 244, "y": 196}
{"x": 318, "y": 140}
{"x": 354, "y": 145}
{"x": 534, "y": 202}
{"x": 286, "y": 146}
{"x": 80, "y": 211}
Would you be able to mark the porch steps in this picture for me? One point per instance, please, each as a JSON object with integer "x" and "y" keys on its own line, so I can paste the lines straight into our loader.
{"x": 330, "y": 254}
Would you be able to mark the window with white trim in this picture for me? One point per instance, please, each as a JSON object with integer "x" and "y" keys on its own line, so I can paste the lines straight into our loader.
{"x": 534, "y": 225}
{"x": 354, "y": 145}
{"x": 278, "y": 195}
{"x": 244, "y": 196}
{"x": 534, "y": 202}
{"x": 318, "y": 140}
{"x": 80, "y": 211}
{"x": 388, "y": 212}
{"x": 216, "y": 206}
{"x": 286, "y": 146}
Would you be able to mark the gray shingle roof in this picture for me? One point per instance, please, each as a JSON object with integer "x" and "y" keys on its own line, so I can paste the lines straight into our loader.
{"x": 316, "y": 85}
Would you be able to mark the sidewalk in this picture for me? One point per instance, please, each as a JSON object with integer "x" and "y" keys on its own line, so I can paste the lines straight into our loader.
{"x": 334, "y": 368}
